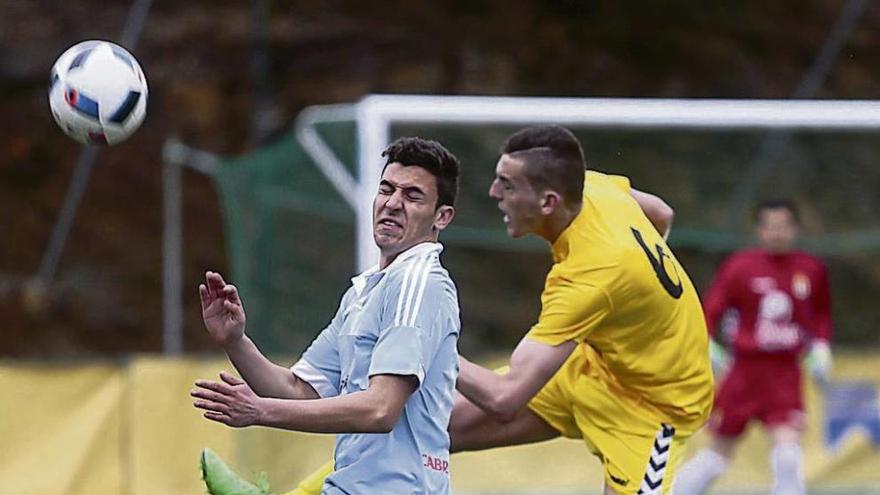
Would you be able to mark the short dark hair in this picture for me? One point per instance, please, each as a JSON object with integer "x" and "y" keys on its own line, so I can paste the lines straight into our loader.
{"x": 553, "y": 159}
{"x": 777, "y": 204}
{"x": 431, "y": 156}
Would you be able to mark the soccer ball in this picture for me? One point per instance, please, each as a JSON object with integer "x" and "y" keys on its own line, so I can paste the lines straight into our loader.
{"x": 98, "y": 93}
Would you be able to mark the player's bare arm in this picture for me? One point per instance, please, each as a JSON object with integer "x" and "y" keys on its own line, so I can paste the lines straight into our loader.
{"x": 374, "y": 410}
{"x": 658, "y": 211}
{"x": 265, "y": 377}
{"x": 531, "y": 366}
{"x": 224, "y": 317}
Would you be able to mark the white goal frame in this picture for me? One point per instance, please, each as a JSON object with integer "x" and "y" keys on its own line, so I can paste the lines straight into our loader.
{"x": 375, "y": 115}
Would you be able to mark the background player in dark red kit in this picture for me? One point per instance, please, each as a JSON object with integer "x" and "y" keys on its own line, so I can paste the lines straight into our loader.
{"x": 774, "y": 304}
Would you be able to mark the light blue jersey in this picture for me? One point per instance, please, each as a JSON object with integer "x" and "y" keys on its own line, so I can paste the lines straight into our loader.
{"x": 403, "y": 320}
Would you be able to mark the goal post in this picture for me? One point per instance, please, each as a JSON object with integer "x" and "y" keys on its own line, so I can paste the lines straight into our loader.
{"x": 376, "y": 114}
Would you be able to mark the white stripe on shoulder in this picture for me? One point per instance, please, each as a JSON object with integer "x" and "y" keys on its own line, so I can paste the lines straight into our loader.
{"x": 403, "y": 289}
{"x": 419, "y": 272}
{"x": 432, "y": 258}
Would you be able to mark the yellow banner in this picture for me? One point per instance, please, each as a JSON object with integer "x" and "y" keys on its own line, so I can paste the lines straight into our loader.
{"x": 131, "y": 429}
{"x": 60, "y": 430}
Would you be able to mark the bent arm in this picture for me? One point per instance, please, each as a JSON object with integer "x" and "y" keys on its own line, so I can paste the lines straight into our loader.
{"x": 717, "y": 298}
{"x": 823, "y": 329}
{"x": 531, "y": 366}
{"x": 658, "y": 211}
{"x": 375, "y": 410}
{"x": 266, "y": 378}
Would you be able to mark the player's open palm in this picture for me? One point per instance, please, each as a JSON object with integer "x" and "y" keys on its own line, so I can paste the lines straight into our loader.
{"x": 222, "y": 309}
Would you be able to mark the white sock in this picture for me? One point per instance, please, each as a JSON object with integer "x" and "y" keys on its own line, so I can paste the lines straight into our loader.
{"x": 787, "y": 461}
{"x": 695, "y": 476}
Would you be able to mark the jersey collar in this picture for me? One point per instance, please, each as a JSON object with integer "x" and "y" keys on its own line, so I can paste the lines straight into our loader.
{"x": 562, "y": 246}
{"x": 371, "y": 276}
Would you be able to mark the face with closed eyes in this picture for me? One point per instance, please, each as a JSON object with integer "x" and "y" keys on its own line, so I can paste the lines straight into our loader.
{"x": 405, "y": 210}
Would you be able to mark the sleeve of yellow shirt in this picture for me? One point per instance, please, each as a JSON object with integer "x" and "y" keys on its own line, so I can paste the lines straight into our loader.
{"x": 569, "y": 311}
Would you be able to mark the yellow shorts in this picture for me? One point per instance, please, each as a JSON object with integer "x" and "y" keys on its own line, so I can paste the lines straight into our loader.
{"x": 639, "y": 454}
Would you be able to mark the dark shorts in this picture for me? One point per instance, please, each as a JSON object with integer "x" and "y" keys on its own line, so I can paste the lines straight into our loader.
{"x": 763, "y": 388}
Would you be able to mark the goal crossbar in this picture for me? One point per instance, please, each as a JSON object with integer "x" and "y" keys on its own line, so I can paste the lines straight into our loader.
{"x": 374, "y": 116}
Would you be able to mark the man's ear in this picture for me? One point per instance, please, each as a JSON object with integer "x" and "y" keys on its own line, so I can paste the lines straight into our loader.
{"x": 550, "y": 202}
{"x": 443, "y": 217}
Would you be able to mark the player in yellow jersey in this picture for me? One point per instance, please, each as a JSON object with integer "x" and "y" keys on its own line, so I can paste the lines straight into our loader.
{"x": 619, "y": 356}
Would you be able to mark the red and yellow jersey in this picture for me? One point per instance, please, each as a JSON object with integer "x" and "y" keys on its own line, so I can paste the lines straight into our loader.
{"x": 781, "y": 302}
{"x": 616, "y": 286}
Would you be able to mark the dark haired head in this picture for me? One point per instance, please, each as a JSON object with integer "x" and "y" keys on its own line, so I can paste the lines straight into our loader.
{"x": 431, "y": 156}
{"x": 553, "y": 159}
{"x": 777, "y": 204}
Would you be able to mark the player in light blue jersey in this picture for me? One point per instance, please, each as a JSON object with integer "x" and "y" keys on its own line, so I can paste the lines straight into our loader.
{"x": 382, "y": 374}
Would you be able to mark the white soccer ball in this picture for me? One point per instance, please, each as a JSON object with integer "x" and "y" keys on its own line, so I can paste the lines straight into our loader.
{"x": 98, "y": 93}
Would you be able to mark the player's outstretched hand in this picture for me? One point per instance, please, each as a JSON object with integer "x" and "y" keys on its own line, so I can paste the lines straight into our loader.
{"x": 222, "y": 309}
{"x": 229, "y": 401}
{"x": 819, "y": 362}
{"x": 720, "y": 359}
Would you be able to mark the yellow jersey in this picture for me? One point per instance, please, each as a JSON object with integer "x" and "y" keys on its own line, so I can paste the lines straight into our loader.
{"x": 616, "y": 287}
